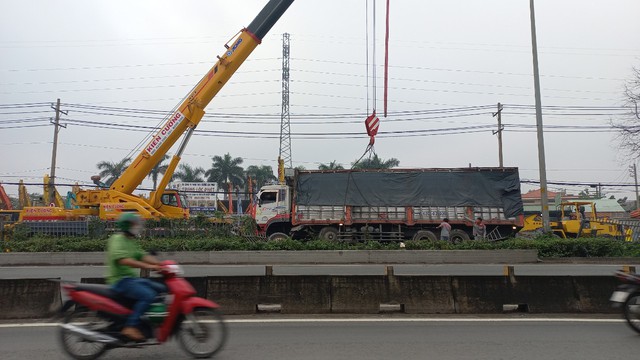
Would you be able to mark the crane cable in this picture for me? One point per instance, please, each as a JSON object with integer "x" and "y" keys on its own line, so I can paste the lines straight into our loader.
{"x": 372, "y": 122}
{"x": 386, "y": 59}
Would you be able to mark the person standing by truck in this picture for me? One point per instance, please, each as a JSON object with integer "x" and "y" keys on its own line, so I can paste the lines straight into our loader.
{"x": 445, "y": 229}
{"x": 479, "y": 229}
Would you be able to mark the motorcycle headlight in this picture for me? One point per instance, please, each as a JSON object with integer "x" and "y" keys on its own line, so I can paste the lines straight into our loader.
{"x": 175, "y": 269}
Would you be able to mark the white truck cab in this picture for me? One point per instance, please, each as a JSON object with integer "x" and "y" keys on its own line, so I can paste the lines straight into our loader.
{"x": 274, "y": 203}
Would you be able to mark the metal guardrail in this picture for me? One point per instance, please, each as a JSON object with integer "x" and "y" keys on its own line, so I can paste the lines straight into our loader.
{"x": 630, "y": 228}
{"x": 58, "y": 228}
{"x": 88, "y": 227}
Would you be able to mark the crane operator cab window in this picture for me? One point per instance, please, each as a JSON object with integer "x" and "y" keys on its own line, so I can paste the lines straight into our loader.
{"x": 174, "y": 199}
{"x": 183, "y": 201}
{"x": 268, "y": 197}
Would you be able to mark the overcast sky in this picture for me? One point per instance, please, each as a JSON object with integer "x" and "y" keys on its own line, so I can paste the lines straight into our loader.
{"x": 118, "y": 66}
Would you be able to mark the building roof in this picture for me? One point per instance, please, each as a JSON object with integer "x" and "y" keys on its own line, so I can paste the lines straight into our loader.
{"x": 535, "y": 194}
{"x": 608, "y": 205}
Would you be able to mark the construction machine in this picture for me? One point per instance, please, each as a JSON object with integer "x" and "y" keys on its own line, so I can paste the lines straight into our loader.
{"x": 57, "y": 200}
{"x": 574, "y": 219}
{"x": 23, "y": 196}
{"x": 108, "y": 203}
{"x": 5, "y": 202}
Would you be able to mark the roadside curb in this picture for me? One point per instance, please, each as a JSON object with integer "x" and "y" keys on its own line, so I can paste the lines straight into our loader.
{"x": 292, "y": 257}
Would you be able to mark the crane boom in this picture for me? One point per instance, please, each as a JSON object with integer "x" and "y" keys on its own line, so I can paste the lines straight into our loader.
{"x": 191, "y": 110}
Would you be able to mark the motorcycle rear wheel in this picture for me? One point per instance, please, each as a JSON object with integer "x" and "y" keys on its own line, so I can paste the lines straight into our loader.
{"x": 203, "y": 333}
{"x": 75, "y": 345}
{"x": 632, "y": 311}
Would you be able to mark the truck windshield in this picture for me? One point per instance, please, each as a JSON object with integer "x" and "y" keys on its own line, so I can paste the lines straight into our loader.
{"x": 268, "y": 197}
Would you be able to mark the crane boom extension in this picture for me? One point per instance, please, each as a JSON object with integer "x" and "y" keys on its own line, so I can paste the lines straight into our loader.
{"x": 190, "y": 111}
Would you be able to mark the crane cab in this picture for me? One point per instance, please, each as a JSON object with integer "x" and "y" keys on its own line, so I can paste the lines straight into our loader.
{"x": 173, "y": 204}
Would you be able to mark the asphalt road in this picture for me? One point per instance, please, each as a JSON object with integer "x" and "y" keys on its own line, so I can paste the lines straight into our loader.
{"x": 375, "y": 339}
{"x": 74, "y": 273}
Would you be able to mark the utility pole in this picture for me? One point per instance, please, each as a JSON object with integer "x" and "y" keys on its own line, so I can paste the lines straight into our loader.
{"x": 56, "y": 129}
{"x": 499, "y": 132}
{"x": 598, "y": 190}
{"x": 541, "y": 158}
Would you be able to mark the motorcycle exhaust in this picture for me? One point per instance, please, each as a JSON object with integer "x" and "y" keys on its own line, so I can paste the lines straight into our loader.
{"x": 89, "y": 334}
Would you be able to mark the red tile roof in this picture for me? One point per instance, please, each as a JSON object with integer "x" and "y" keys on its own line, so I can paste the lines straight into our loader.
{"x": 535, "y": 194}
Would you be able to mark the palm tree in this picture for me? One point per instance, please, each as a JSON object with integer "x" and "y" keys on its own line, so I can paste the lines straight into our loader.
{"x": 111, "y": 171}
{"x": 261, "y": 174}
{"x": 160, "y": 168}
{"x": 187, "y": 173}
{"x": 332, "y": 166}
{"x": 225, "y": 170}
{"x": 376, "y": 163}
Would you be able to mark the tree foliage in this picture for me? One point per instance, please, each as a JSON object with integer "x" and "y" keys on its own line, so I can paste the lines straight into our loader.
{"x": 261, "y": 174}
{"x": 187, "y": 173}
{"x": 160, "y": 168}
{"x": 628, "y": 131}
{"x": 111, "y": 171}
{"x": 226, "y": 169}
{"x": 332, "y": 166}
{"x": 376, "y": 162}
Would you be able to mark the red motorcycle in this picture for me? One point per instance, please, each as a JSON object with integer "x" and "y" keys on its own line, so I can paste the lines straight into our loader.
{"x": 99, "y": 314}
{"x": 627, "y": 296}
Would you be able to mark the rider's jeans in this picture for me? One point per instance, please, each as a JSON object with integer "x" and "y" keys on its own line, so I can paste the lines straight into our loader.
{"x": 140, "y": 289}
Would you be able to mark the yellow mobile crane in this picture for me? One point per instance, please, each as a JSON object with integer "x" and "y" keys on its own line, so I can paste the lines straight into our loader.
{"x": 109, "y": 203}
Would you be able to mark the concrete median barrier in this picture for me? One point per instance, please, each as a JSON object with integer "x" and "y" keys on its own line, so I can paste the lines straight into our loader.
{"x": 33, "y": 298}
{"x": 285, "y": 294}
{"x": 358, "y": 294}
{"x": 423, "y": 294}
{"x": 28, "y": 298}
{"x": 593, "y": 293}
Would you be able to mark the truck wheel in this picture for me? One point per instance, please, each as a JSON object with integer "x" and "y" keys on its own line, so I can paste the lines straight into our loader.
{"x": 457, "y": 236}
{"x": 328, "y": 233}
{"x": 425, "y": 235}
{"x": 278, "y": 236}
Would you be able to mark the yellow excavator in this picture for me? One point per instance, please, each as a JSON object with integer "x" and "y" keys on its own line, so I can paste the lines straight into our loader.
{"x": 12, "y": 214}
{"x": 573, "y": 222}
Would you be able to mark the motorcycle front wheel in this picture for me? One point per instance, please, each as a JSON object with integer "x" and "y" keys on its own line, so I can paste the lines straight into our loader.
{"x": 632, "y": 311}
{"x": 77, "y": 346}
{"x": 202, "y": 333}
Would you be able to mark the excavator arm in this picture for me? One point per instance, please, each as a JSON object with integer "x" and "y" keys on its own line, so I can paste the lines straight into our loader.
{"x": 5, "y": 202}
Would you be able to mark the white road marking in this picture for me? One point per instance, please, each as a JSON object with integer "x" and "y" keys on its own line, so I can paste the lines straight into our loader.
{"x": 361, "y": 320}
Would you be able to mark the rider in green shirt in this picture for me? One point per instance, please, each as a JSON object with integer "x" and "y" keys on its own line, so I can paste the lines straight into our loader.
{"x": 124, "y": 255}
{"x": 121, "y": 247}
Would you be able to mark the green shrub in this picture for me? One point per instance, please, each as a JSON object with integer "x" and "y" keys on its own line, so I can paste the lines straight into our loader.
{"x": 185, "y": 239}
{"x": 19, "y": 231}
